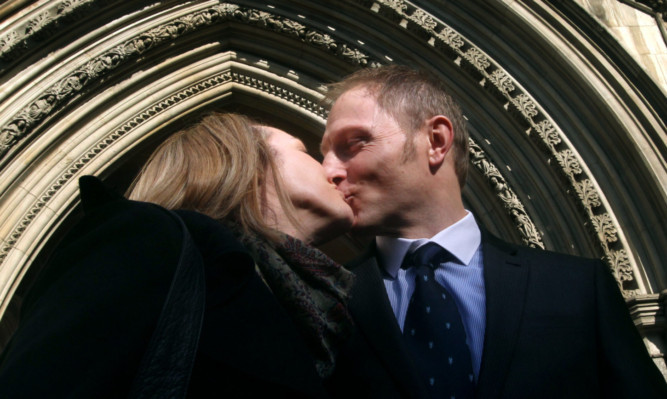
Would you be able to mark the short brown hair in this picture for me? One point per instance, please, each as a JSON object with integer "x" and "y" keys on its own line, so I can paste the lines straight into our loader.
{"x": 218, "y": 167}
{"x": 411, "y": 97}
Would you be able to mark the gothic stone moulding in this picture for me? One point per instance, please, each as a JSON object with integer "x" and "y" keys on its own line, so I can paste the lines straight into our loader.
{"x": 42, "y": 24}
{"x": 538, "y": 124}
{"x": 57, "y": 95}
{"x": 23, "y": 123}
{"x": 529, "y": 233}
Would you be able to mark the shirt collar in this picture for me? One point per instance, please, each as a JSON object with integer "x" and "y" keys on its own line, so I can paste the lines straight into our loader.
{"x": 462, "y": 239}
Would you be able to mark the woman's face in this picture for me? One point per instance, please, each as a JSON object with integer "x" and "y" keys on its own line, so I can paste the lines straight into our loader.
{"x": 321, "y": 210}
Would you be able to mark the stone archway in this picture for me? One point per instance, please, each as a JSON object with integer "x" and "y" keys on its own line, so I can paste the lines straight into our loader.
{"x": 568, "y": 136}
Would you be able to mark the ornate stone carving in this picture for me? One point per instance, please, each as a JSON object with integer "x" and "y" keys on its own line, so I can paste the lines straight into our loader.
{"x": 70, "y": 6}
{"x": 620, "y": 265}
{"x": 282, "y": 93}
{"x": 55, "y": 14}
{"x": 569, "y": 162}
{"x": 525, "y": 105}
{"x": 587, "y": 193}
{"x": 475, "y": 56}
{"x": 451, "y": 38}
{"x": 398, "y": 5}
{"x": 8, "y": 42}
{"x": 605, "y": 228}
{"x": 502, "y": 82}
{"x": 38, "y": 23}
{"x": 529, "y": 233}
{"x": 443, "y": 36}
{"x": 547, "y": 133}
{"x": 424, "y": 19}
{"x": 25, "y": 121}
{"x": 321, "y": 40}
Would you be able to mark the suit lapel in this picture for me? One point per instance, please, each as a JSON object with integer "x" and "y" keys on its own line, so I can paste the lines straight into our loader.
{"x": 375, "y": 319}
{"x": 506, "y": 277}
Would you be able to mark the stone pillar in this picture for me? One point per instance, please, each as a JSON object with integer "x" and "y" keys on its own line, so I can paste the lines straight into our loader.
{"x": 648, "y": 313}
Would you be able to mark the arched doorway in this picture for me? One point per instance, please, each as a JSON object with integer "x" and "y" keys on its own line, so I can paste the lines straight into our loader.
{"x": 567, "y": 133}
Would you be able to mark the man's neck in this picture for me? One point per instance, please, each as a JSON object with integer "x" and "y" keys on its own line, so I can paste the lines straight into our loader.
{"x": 428, "y": 226}
{"x": 461, "y": 239}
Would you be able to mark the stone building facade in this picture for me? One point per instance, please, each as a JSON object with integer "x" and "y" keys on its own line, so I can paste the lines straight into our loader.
{"x": 565, "y": 102}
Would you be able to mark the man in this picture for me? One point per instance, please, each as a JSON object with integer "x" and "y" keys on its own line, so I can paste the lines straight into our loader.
{"x": 534, "y": 324}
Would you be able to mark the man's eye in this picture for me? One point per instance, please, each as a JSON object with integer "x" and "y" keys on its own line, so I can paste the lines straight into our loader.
{"x": 355, "y": 142}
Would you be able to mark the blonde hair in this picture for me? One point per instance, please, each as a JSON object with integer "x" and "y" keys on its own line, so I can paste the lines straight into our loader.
{"x": 411, "y": 97}
{"x": 217, "y": 167}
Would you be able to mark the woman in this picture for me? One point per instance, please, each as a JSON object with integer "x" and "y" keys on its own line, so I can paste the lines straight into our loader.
{"x": 119, "y": 310}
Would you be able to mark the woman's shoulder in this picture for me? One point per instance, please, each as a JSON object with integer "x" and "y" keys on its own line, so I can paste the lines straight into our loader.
{"x": 106, "y": 209}
{"x": 103, "y": 204}
{"x": 213, "y": 238}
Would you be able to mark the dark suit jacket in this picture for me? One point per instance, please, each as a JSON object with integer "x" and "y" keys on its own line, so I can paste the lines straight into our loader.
{"x": 556, "y": 327}
{"x": 88, "y": 320}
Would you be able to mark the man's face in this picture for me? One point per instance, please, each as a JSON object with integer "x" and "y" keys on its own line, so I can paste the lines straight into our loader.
{"x": 363, "y": 155}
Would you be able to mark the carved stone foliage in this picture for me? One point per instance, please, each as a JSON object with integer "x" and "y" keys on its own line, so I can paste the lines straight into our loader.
{"x": 22, "y": 124}
{"x": 501, "y": 85}
{"x": 529, "y": 233}
{"x": 56, "y": 15}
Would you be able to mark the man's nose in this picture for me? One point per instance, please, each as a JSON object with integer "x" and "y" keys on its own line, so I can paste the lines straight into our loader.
{"x": 333, "y": 168}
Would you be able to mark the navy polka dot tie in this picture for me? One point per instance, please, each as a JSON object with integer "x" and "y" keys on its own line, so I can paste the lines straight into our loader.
{"x": 434, "y": 331}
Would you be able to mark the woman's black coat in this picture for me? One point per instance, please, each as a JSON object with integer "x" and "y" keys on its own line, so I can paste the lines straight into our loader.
{"x": 87, "y": 322}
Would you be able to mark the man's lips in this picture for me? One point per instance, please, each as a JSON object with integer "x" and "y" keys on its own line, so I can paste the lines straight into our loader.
{"x": 347, "y": 196}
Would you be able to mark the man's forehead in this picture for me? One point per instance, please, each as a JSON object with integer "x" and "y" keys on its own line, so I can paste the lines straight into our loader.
{"x": 324, "y": 144}
{"x": 357, "y": 93}
{"x": 352, "y": 109}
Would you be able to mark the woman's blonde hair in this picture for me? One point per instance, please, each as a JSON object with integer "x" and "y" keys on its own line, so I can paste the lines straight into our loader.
{"x": 217, "y": 167}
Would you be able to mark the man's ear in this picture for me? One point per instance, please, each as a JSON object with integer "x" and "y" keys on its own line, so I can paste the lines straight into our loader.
{"x": 441, "y": 138}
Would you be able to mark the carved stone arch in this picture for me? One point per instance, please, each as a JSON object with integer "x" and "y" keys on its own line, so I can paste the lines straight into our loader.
{"x": 101, "y": 141}
{"x": 122, "y": 115}
{"x": 89, "y": 85}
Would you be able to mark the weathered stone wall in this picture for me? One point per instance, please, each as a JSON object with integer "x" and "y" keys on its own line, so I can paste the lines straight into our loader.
{"x": 637, "y": 27}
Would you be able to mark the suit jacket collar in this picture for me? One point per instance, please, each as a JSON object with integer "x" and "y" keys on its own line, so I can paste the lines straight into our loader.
{"x": 375, "y": 319}
{"x": 506, "y": 278}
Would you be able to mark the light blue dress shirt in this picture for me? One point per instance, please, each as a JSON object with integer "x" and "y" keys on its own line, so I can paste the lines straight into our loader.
{"x": 463, "y": 278}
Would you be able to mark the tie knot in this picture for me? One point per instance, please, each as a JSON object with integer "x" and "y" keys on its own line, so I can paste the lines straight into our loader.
{"x": 429, "y": 254}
